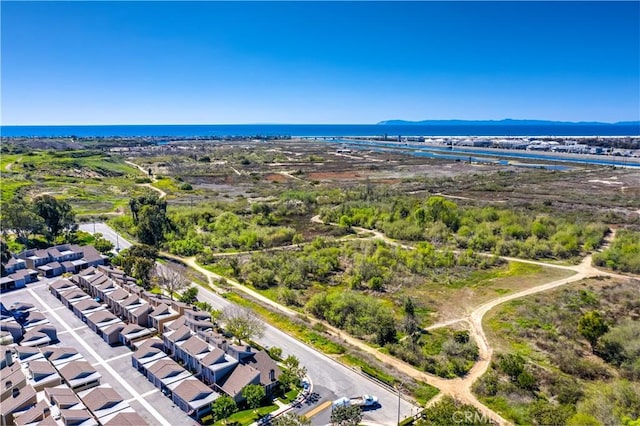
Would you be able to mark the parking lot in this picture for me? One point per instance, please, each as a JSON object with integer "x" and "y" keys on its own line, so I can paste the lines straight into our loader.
{"x": 114, "y": 363}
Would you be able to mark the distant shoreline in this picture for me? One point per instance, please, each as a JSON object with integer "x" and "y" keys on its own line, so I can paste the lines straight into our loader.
{"x": 323, "y": 130}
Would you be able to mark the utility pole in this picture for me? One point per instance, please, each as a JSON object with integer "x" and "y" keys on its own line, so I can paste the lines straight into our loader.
{"x": 398, "y": 388}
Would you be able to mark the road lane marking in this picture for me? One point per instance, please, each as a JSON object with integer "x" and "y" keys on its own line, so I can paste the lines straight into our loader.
{"x": 317, "y": 410}
{"x": 102, "y": 362}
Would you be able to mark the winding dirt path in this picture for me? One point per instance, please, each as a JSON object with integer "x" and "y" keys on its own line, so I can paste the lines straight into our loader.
{"x": 148, "y": 185}
{"x": 460, "y": 388}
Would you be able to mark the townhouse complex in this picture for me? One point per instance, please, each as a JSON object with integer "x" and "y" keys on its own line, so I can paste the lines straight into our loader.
{"x": 25, "y": 267}
{"x": 175, "y": 346}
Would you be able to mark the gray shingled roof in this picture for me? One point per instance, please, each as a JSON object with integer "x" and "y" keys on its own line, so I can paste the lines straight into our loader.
{"x": 194, "y": 346}
{"x": 240, "y": 377}
{"x": 101, "y": 397}
{"x": 126, "y": 419}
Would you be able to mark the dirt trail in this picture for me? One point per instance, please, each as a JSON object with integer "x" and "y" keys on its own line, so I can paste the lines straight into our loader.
{"x": 148, "y": 185}
{"x": 191, "y": 261}
{"x": 460, "y": 388}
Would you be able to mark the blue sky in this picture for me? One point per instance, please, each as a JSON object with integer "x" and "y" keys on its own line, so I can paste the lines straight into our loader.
{"x": 318, "y": 62}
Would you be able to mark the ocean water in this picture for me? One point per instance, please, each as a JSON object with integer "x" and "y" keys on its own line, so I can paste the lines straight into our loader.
{"x": 319, "y": 130}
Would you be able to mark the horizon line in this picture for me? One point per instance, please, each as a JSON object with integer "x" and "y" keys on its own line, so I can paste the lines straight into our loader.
{"x": 381, "y": 123}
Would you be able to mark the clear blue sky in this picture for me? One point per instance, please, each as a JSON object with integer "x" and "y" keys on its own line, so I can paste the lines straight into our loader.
{"x": 325, "y": 62}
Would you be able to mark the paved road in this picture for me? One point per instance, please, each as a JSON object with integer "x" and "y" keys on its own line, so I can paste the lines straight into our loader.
{"x": 331, "y": 379}
{"x": 107, "y": 232}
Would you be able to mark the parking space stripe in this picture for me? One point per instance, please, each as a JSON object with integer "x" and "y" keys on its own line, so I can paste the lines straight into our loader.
{"x": 117, "y": 357}
{"x": 67, "y": 331}
{"x": 102, "y": 362}
{"x": 144, "y": 395}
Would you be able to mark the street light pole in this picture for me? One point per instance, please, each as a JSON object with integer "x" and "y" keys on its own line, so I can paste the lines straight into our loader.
{"x": 398, "y": 388}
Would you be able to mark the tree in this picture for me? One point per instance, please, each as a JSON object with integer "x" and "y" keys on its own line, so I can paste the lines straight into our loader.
{"x": 152, "y": 222}
{"x": 410, "y": 323}
{"x": 138, "y": 261}
{"x": 254, "y": 395}
{"x": 223, "y": 407}
{"x": 275, "y": 353}
{"x": 441, "y": 209}
{"x": 449, "y": 411}
{"x": 591, "y": 326}
{"x": 206, "y": 306}
{"x": 19, "y": 217}
{"x": 292, "y": 372}
{"x": 150, "y": 217}
{"x": 512, "y": 365}
{"x": 350, "y": 415}
{"x": 291, "y": 419}
{"x": 5, "y": 256}
{"x": 242, "y": 323}
{"x": 101, "y": 244}
{"x": 190, "y": 295}
{"x": 170, "y": 280}
{"x": 57, "y": 215}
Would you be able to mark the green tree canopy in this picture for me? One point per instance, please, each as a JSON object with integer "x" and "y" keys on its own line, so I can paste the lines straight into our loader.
{"x": 254, "y": 395}
{"x": 224, "y": 407}
{"x": 242, "y": 323}
{"x": 57, "y": 215}
{"x": 150, "y": 217}
{"x": 190, "y": 295}
{"x": 346, "y": 416}
{"x": 19, "y": 216}
{"x": 291, "y": 419}
{"x": 292, "y": 372}
{"x": 591, "y": 326}
{"x": 101, "y": 244}
{"x": 138, "y": 261}
{"x": 449, "y": 411}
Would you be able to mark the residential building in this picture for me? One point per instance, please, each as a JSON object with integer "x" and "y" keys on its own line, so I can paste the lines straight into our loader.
{"x": 241, "y": 376}
{"x": 103, "y": 401}
{"x": 80, "y": 375}
{"x": 60, "y": 356}
{"x": 193, "y": 397}
{"x": 19, "y": 399}
{"x": 165, "y": 372}
{"x": 124, "y": 418}
{"x": 160, "y": 316}
{"x": 43, "y": 374}
{"x": 132, "y": 333}
{"x": 33, "y": 415}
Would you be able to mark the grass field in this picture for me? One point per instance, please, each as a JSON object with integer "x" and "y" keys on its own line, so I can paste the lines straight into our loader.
{"x": 91, "y": 181}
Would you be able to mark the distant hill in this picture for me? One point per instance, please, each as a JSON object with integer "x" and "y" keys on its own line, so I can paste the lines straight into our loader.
{"x": 505, "y": 122}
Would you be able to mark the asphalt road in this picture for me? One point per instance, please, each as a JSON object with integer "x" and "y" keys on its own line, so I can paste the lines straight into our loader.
{"x": 107, "y": 232}
{"x": 330, "y": 379}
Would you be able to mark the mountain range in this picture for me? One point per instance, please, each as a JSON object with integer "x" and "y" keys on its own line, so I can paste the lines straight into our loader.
{"x": 505, "y": 122}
